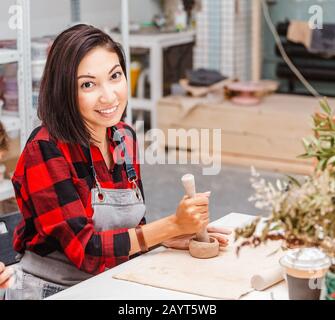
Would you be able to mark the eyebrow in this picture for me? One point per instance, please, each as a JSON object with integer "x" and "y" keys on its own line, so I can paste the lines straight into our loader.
{"x": 92, "y": 77}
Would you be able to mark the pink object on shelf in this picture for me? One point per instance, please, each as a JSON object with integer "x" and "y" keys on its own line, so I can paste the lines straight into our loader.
{"x": 10, "y": 85}
{"x": 246, "y": 93}
{"x": 2, "y": 86}
{"x": 11, "y": 101}
{"x": 8, "y": 43}
{"x": 10, "y": 70}
{"x": 246, "y": 100}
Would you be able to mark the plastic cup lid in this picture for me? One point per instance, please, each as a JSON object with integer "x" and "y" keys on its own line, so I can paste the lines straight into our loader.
{"x": 305, "y": 259}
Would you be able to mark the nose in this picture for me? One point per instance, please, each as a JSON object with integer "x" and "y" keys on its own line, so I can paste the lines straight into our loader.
{"x": 108, "y": 95}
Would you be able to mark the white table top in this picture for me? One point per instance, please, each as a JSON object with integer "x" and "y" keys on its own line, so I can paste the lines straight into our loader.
{"x": 162, "y": 39}
{"x": 105, "y": 287}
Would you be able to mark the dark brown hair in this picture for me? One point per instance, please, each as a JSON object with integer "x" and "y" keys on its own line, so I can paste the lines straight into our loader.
{"x": 3, "y": 138}
{"x": 57, "y": 105}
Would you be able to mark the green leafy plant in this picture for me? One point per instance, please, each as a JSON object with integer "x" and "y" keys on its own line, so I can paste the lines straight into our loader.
{"x": 321, "y": 146}
{"x": 302, "y": 213}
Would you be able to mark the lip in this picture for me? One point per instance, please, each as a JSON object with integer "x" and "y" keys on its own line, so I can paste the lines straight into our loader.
{"x": 112, "y": 110}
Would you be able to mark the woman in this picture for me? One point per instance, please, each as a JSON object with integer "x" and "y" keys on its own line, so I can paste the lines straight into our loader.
{"x": 77, "y": 181}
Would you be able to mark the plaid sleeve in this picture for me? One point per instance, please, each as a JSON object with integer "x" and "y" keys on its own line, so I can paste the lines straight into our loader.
{"x": 47, "y": 197}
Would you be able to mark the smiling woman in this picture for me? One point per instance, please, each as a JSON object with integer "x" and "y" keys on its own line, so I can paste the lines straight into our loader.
{"x": 102, "y": 93}
{"x": 83, "y": 210}
{"x": 83, "y": 71}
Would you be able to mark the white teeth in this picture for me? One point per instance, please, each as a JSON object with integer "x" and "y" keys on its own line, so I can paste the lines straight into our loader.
{"x": 108, "y": 110}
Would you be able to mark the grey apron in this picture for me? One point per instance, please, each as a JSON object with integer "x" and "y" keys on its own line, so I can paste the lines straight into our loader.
{"x": 38, "y": 277}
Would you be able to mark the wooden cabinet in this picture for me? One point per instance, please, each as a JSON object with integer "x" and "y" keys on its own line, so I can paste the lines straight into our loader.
{"x": 267, "y": 136}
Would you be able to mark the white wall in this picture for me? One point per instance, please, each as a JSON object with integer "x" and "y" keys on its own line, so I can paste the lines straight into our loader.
{"x": 51, "y": 17}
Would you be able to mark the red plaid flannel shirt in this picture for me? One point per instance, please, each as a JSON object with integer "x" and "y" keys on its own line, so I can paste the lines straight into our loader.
{"x": 52, "y": 183}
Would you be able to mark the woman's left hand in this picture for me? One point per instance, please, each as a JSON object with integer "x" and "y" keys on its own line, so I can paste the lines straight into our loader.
{"x": 182, "y": 242}
{"x": 6, "y": 276}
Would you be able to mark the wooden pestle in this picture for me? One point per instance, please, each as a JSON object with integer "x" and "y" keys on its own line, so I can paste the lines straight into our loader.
{"x": 189, "y": 186}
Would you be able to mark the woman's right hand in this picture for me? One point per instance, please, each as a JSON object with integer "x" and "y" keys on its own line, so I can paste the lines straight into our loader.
{"x": 6, "y": 274}
{"x": 192, "y": 213}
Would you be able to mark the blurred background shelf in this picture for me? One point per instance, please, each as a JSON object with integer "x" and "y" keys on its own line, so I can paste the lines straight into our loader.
{"x": 15, "y": 58}
{"x": 11, "y": 123}
{"x": 8, "y": 56}
{"x": 6, "y": 190}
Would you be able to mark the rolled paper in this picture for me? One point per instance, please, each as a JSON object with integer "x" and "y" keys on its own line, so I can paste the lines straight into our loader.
{"x": 188, "y": 182}
{"x": 266, "y": 279}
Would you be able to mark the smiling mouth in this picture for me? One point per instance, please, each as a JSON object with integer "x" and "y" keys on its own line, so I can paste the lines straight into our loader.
{"x": 108, "y": 111}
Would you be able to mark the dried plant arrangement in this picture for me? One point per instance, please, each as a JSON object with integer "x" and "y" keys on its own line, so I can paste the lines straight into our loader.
{"x": 302, "y": 213}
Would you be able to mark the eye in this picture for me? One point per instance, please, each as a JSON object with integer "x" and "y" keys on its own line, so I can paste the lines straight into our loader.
{"x": 116, "y": 75}
{"x": 87, "y": 85}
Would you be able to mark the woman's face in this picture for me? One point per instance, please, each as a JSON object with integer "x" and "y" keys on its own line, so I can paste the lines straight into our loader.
{"x": 102, "y": 90}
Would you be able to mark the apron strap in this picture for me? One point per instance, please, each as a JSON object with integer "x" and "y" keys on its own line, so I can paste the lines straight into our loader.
{"x": 128, "y": 163}
{"x": 131, "y": 173}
